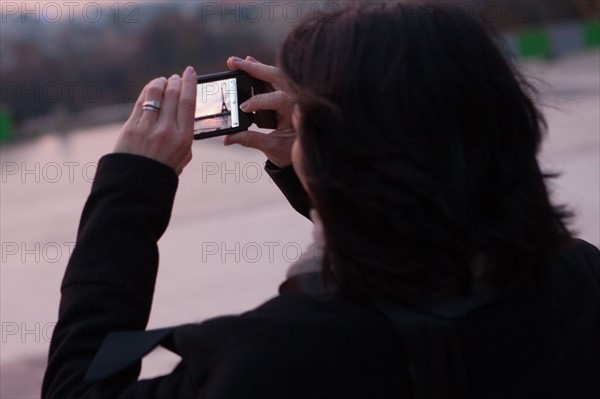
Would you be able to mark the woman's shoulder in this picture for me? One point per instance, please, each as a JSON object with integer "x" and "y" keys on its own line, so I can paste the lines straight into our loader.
{"x": 588, "y": 252}
{"x": 580, "y": 260}
{"x": 294, "y": 343}
{"x": 288, "y": 312}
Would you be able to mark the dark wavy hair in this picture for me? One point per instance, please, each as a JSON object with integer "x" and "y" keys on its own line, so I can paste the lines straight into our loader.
{"x": 419, "y": 148}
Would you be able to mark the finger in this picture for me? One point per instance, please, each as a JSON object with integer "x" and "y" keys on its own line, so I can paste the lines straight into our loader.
{"x": 230, "y": 64}
{"x": 232, "y": 67}
{"x": 266, "y": 73}
{"x": 276, "y": 100}
{"x": 168, "y": 112}
{"x": 250, "y": 139}
{"x": 187, "y": 101}
{"x": 136, "y": 112}
{"x": 154, "y": 92}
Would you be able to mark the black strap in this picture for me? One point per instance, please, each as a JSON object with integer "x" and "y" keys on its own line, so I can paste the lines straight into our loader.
{"x": 121, "y": 349}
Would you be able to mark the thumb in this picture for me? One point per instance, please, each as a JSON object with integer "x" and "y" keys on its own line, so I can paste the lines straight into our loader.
{"x": 249, "y": 138}
{"x": 230, "y": 139}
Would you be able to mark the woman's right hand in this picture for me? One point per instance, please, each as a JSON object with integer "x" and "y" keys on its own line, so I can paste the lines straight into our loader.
{"x": 276, "y": 145}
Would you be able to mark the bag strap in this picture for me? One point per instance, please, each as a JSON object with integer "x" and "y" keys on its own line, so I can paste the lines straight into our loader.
{"x": 121, "y": 349}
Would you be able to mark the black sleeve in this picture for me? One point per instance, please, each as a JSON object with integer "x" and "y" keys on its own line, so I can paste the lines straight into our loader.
{"x": 290, "y": 186}
{"x": 109, "y": 280}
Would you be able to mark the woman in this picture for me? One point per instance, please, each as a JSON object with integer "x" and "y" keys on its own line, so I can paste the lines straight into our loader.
{"x": 446, "y": 271}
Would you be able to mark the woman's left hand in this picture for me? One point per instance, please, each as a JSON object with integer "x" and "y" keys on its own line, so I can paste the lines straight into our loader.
{"x": 164, "y": 135}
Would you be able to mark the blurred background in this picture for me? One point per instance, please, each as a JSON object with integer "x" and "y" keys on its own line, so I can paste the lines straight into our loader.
{"x": 69, "y": 72}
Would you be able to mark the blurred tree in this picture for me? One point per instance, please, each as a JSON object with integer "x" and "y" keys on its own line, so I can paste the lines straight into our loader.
{"x": 78, "y": 66}
{"x": 589, "y": 9}
{"x": 6, "y": 126}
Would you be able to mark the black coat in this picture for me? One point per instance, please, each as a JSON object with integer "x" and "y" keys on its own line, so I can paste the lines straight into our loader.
{"x": 541, "y": 342}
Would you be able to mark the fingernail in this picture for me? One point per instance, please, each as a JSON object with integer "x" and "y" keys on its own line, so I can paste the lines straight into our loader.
{"x": 189, "y": 70}
{"x": 244, "y": 106}
{"x": 174, "y": 76}
{"x": 236, "y": 60}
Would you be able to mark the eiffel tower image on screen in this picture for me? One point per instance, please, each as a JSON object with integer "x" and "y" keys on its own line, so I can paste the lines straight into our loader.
{"x": 224, "y": 109}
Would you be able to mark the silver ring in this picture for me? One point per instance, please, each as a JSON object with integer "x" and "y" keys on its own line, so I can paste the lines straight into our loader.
{"x": 149, "y": 108}
{"x": 151, "y": 104}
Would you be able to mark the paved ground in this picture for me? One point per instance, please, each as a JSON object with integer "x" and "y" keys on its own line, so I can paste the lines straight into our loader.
{"x": 232, "y": 234}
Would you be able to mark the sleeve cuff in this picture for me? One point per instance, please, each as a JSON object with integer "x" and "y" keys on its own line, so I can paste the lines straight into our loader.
{"x": 138, "y": 174}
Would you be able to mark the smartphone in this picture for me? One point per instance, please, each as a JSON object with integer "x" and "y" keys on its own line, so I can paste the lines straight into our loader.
{"x": 218, "y": 100}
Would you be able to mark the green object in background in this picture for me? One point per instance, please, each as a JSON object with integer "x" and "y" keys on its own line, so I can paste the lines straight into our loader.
{"x": 533, "y": 43}
{"x": 6, "y": 128}
{"x": 591, "y": 34}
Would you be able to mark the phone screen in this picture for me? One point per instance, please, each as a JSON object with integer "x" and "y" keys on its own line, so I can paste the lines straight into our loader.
{"x": 216, "y": 106}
